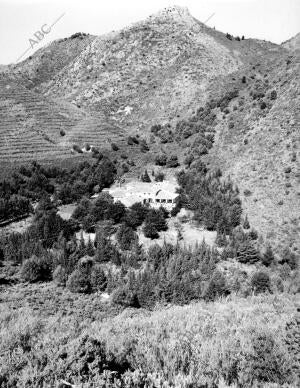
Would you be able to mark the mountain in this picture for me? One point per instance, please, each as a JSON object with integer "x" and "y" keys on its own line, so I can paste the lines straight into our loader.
{"x": 293, "y": 44}
{"x": 99, "y": 89}
{"x": 156, "y": 70}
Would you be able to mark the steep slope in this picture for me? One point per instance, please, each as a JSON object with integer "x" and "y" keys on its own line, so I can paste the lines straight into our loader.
{"x": 257, "y": 144}
{"x": 50, "y": 60}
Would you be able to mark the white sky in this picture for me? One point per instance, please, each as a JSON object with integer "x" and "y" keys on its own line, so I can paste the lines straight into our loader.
{"x": 274, "y": 20}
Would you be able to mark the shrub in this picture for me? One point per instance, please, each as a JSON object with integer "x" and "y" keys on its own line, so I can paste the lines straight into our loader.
{"x": 216, "y": 287}
{"x": 273, "y": 95}
{"x": 260, "y": 282}
{"x": 263, "y": 105}
{"x": 36, "y": 269}
{"x": 159, "y": 177}
{"x": 124, "y": 297}
{"x": 77, "y": 149}
{"x": 161, "y": 160}
{"x": 156, "y": 128}
{"x": 114, "y": 147}
{"x": 62, "y": 132}
{"x": 79, "y": 281}
{"x": 244, "y": 79}
{"x": 131, "y": 140}
{"x": 144, "y": 146}
{"x": 265, "y": 362}
{"x": 150, "y": 231}
{"x": 60, "y": 276}
{"x": 98, "y": 278}
{"x": 173, "y": 161}
{"x": 268, "y": 257}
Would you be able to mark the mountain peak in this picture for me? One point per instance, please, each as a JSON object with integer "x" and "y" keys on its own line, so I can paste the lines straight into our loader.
{"x": 175, "y": 12}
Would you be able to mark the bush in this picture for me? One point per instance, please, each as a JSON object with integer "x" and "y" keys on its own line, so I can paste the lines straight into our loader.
{"x": 124, "y": 297}
{"x": 263, "y": 105}
{"x": 60, "y": 276}
{"x": 144, "y": 146}
{"x": 161, "y": 160}
{"x": 77, "y": 149}
{"x": 79, "y": 281}
{"x": 114, "y": 147}
{"x": 268, "y": 257}
{"x": 159, "y": 177}
{"x": 131, "y": 140}
{"x": 273, "y": 95}
{"x": 150, "y": 231}
{"x": 266, "y": 362}
{"x": 62, "y": 132}
{"x": 173, "y": 162}
{"x": 216, "y": 287}
{"x": 36, "y": 269}
{"x": 260, "y": 282}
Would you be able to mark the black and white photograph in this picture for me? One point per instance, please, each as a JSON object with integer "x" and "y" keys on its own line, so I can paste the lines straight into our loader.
{"x": 149, "y": 194}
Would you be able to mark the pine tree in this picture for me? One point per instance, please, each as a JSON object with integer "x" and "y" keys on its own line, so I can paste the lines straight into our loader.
{"x": 246, "y": 224}
{"x": 145, "y": 177}
{"x": 90, "y": 250}
{"x": 247, "y": 253}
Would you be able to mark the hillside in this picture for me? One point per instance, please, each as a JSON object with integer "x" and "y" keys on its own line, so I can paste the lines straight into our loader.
{"x": 155, "y": 70}
{"x": 257, "y": 144}
{"x": 293, "y": 44}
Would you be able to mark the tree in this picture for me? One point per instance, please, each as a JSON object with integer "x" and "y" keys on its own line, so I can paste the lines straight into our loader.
{"x": 145, "y": 177}
{"x": 106, "y": 251}
{"x": 98, "y": 278}
{"x": 268, "y": 257}
{"x": 125, "y": 237}
{"x": 82, "y": 210}
{"x": 260, "y": 282}
{"x": 247, "y": 253}
{"x": 125, "y": 297}
{"x": 157, "y": 219}
{"x": 216, "y": 287}
{"x": 246, "y": 224}
{"x": 150, "y": 231}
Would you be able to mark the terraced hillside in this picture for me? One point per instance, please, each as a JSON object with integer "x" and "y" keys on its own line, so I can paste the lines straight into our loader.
{"x": 96, "y": 89}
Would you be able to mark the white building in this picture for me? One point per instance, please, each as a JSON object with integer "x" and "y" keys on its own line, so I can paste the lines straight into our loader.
{"x": 155, "y": 194}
